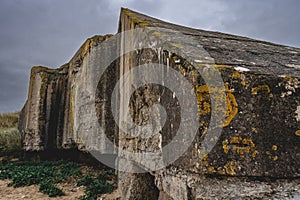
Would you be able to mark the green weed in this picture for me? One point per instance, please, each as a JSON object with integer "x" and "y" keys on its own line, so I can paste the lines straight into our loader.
{"x": 47, "y": 174}
{"x": 95, "y": 186}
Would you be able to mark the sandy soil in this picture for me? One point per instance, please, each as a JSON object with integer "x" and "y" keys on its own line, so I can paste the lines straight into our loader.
{"x": 72, "y": 192}
{"x": 32, "y": 192}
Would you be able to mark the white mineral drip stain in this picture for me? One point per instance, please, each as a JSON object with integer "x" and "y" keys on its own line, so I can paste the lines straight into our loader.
{"x": 241, "y": 69}
{"x": 293, "y": 52}
{"x": 298, "y": 113}
{"x": 140, "y": 45}
{"x": 153, "y": 45}
{"x": 239, "y": 60}
{"x": 293, "y": 66}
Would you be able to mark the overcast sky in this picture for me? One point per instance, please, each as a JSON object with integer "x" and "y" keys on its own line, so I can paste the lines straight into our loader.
{"x": 49, "y": 32}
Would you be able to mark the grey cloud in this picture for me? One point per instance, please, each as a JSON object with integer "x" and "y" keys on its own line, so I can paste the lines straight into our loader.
{"x": 274, "y": 20}
{"x": 48, "y": 32}
{"x": 43, "y": 33}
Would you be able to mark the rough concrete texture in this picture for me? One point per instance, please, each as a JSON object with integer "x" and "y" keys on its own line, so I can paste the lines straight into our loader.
{"x": 256, "y": 156}
{"x": 58, "y": 113}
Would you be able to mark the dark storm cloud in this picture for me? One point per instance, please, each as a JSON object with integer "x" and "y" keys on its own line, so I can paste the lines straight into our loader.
{"x": 274, "y": 20}
{"x": 45, "y": 33}
{"x": 49, "y": 32}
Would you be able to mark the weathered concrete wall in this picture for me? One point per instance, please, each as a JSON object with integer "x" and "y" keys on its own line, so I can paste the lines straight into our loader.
{"x": 43, "y": 113}
{"x": 257, "y": 154}
{"x": 260, "y": 136}
{"x": 60, "y": 110}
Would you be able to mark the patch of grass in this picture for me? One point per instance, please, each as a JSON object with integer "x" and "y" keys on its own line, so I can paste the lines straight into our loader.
{"x": 9, "y": 120}
{"x": 10, "y": 138}
{"x": 50, "y": 189}
{"x": 47, "y": 174}
{"x": 10, "y": 141}
{"x": 95, "y": 185}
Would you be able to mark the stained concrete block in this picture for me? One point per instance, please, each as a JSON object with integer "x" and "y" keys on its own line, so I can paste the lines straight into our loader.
{"x": 257, "y": 111}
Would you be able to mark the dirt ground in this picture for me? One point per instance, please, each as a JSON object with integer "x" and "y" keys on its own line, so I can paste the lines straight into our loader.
{"x": 72, "y": 192}
{"x": 32, "y": 192}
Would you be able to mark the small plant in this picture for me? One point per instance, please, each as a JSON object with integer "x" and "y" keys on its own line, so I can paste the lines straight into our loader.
{"x": 50, "y": 189}
{"x": 45, "y": 174}
{"x": 95, "y": 186}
